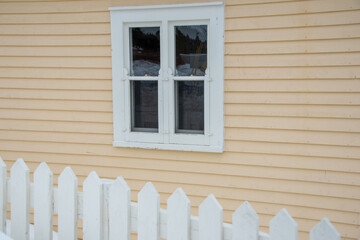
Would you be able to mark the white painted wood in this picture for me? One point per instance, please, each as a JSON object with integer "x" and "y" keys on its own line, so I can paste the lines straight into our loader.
{"x": 210, "y": 219}
{"x": 148, "y": 213}
{"x": 20, "y": 200}
{"x": 92, "y": 208}
{"x": 283, "y": 227}
{"x": 3, "y": 195}
{"x": 43, "y": 202}
{"x": 168, "y": 15}
{"x": 67, "y": 205}
{"x": 324, "y": 231}
{"x": 245, "y": 223}
{"x": 119, "y": 210}
{"x": 4, "y": 237}
{"x": 178, "y": 216}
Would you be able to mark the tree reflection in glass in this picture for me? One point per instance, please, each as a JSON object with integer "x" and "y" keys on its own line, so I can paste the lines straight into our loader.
{"x": 191, "y": 50}
{"x": 145, "y": 51}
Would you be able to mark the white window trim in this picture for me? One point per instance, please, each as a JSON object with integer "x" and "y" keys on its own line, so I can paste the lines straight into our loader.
{"x": 166, "y": 16}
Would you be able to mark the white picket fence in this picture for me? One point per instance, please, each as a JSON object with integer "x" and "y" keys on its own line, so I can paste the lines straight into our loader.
{"x": 108, "y": 214}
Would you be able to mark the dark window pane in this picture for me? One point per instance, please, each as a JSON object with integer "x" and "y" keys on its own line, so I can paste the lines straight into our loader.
{"x": 191, "y": 50}
{"x": 190, "y": 106}
{"x": 144, "y": 105}
{"x": 145, "y": 51}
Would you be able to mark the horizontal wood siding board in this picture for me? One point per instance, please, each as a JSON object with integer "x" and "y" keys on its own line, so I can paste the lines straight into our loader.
{"x": 293, "y": 85}
{"x": 289, "y": 47}
{"x": 56, "y": 84}
{"x": 291, "y": 21}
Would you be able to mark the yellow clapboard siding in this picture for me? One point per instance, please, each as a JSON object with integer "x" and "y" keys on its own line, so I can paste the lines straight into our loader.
{"x": 196, "y": 167}
{"x": 63, "y": 40}
{"x": 288, "y": 8}
{"x": 291, "y": 112}
{"x": 58, "y": 84}
{"x": 323, "y": 111}
{"x": 249, "y": 2}
{"x": 258, "y": 158}
{"x": 71, "y": 105}
{"x": 286, "y": 136}
{"x": 66, "y": 116}
{"x": 292, "y": 149}
{"x": 56, "y": 94}
{"x": 294, "y": 123}
{"x": 284, "y": 21}
{"x": 55, "y": 51}
{"x": 66, "y": 73}
{"x": 292, "y": 98}
{"x": 293, "y": 73}
{"x": 335, "y": 59}
{"x": 86, "y": 17}
{"x": 56, "y": 7}
{"x": 293, "y": 85}
{"x": 320, "y": 189}
{"x": 293, "y": 34}
{"x": 91, "y": 138}
{"x": 53, "y": 29}
{"x": 56, "y": 126}
{"x": 300, "y": 46}
{"x": 57, "y": 62}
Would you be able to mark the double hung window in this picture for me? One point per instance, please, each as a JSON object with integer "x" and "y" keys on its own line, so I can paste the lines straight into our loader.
{"x": 167, "y": 65}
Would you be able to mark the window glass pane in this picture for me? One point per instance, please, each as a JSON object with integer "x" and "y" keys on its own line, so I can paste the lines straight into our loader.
{"x": 191, "y": 50}
{"x": 144, "y": 96}
{"x": 145, "y": 51}
{"x": 190, "y": 106}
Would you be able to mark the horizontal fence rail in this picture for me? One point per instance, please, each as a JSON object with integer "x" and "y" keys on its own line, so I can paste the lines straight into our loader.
{"x": 108, "y": 214}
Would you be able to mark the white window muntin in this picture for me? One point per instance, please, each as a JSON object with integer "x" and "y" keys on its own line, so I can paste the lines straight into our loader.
{"x": 212, "y": 140}
{"x": 191, "y": 137}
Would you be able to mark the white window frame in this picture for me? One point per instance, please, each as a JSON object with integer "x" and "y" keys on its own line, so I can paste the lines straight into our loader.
{"x": 166, "y": 17}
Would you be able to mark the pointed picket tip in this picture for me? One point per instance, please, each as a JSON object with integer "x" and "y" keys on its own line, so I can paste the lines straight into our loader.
{"x": 211, "y": 202}
{"x": 92, "y": 178}
{"x": 324, "y": 230}
{"x": 283, "y": 225}
{"x": 121, "y": 184}
{"x": 246, "y": 210}
{"x": 245, "y": 223}
{"x": 178, "y": 196}
{"x": 149, "y": 189}
{"x": 19, "y": 165}
{"x": 43, "y": 168}
{"x": 67, "y": 173}
{"x": 284, "y": 215}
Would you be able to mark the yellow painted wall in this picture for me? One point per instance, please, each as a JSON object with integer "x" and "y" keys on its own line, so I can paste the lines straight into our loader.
{"x": 292, "y": 106}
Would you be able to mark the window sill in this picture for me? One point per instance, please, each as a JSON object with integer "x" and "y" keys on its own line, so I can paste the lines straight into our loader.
{"x": 178, "y": 147}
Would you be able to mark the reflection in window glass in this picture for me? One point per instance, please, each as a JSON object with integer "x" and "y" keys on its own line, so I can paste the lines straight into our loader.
{"x": 190, "y": 106}
{"x": 145, "y": 51}
{"x": 144, "y": 106}
{"x": 191, "y": 50}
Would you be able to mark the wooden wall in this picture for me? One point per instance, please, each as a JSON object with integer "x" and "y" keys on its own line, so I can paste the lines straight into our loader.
{"x": 292, "y": 106}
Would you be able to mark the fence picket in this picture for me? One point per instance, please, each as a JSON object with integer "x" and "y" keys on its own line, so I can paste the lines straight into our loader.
{"x": 43, "y": 202}
{"x": 108, "y": 213}
{"x": 178, "y": 216}
{"x": 67, "y": 205}
{"x": 20, "y": 200}
{"x": 3, "y": 195}
{"x": 210, "y": 219}
{"x": 119, "y": 210}
{"x": 92, "y": 208}
{"x": 148, "y": 213}
{"x": 324, "y": 230}
{"x": 245, "y": 223}
{"x": 283, "y": 227}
